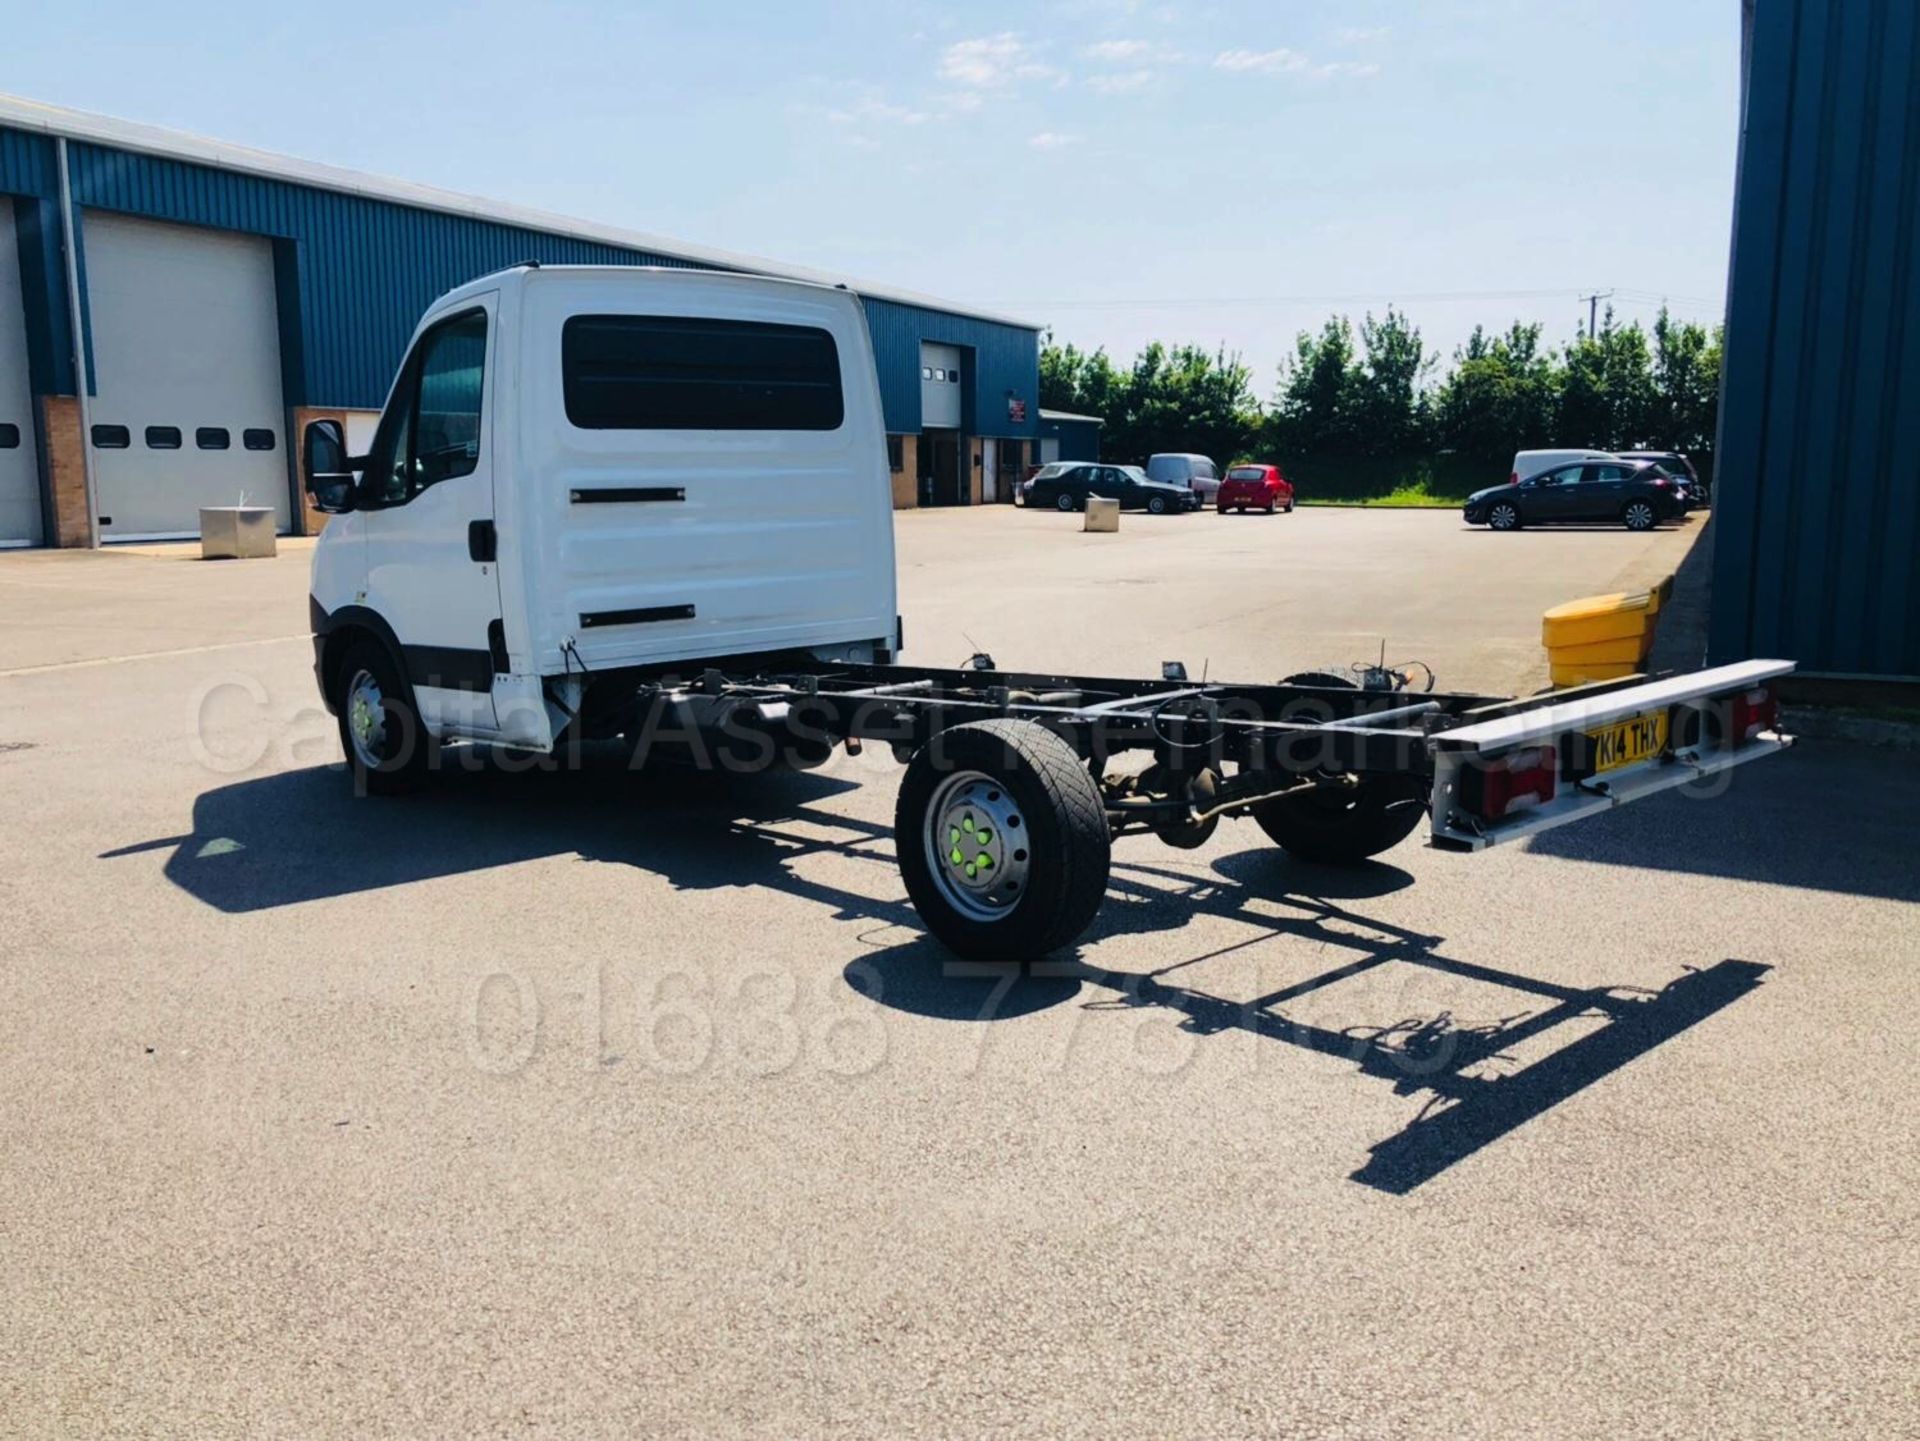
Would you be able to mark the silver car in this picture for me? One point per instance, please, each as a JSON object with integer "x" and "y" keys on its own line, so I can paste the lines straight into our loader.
{"x": 1197, "y": 472}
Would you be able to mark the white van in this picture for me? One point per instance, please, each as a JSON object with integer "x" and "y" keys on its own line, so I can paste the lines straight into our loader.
{"x": 585, "y": 469}
{"x": 1197, "y": 473}
{"x": 1529, "y": 463}
{"x": 653, "y": 508}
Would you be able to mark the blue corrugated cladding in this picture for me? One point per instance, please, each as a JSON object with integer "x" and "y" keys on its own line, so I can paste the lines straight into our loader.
{"x": 1817, "y": 491}
{"x": 363, "y": 270}
{"x": 1006, "y": 367}
{"x": 1079, "y": 439}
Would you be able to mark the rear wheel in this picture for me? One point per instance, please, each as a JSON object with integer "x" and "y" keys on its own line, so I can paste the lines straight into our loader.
{"x": 1002, "y": 840}
{"x": 1640, "y": 515}
{"x": 1505, "y": 515}
{"x": 1342, "y": 825}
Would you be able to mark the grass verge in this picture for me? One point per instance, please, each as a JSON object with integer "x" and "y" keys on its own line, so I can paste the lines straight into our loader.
{"x": 1405, "y": 497}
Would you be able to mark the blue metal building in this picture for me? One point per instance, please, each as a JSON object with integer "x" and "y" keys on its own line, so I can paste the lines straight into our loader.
{"x": 1817, "y": 496}
{"x": 1066, "y": 436}
{"x": 175, "y": 254}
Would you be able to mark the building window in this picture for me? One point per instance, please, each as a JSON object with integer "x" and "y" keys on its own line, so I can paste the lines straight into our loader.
{"x": 896, "y": 454}
{"x": 926, "y": 372}
{"x": 9, "y": 435}
{"x": 163, "y": 437}
{"x": 953, "y": 377}
{"x": 254, "y": 438}
{"x": 213, "y": 437}
{"x": 111, "y": 437}
{"x": 659, "y": 372}
{"x": 939, "y": 374}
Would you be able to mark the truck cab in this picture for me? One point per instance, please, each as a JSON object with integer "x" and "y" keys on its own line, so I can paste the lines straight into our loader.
{"x": 592, "y": 471}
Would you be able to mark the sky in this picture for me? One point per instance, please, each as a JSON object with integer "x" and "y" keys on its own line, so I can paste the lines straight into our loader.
{"x": 1223, "y": 173}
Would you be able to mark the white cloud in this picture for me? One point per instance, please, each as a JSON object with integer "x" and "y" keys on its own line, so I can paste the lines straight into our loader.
{"x": 1287, "y": 62}
{"x": 876, "y": 112}
{"x": 1052, "y": 140}
{"x": 991, "y": 62}
{"x": 1124, "y": 83}
{"x": 1118, "y": 52}
{"x": 1264, "y": 62}
{"x": 1361, "y": 34}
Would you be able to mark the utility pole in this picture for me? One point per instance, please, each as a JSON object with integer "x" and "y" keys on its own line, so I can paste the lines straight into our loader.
{"x": 1593, "y": 310}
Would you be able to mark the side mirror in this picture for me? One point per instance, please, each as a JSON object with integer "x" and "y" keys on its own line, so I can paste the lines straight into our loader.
{"x": 325, "y": 467}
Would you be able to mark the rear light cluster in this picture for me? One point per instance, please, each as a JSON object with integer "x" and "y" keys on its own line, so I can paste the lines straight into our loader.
{"x": 1752, "y": 712}
{"x": 1516, "y": 782}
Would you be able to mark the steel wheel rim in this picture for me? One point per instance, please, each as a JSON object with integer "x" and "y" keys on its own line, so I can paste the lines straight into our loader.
{"x": 366, "y": 717}
{"x": 1156, "y": 505}
{"x": 976, "y": 845}
{"x": 1065, "y": 502}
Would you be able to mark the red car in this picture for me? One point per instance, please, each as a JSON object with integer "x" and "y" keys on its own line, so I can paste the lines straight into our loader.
{"x": 1254, "y": 487}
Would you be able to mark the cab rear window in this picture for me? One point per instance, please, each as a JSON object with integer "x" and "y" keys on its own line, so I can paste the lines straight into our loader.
{"x": 658, "y": 372}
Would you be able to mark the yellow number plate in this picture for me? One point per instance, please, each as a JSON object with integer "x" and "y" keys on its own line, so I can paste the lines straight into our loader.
{"x": 1627, "y": 741}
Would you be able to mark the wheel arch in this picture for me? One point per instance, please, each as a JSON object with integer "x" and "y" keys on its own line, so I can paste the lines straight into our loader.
{"x": 339, "y": 631}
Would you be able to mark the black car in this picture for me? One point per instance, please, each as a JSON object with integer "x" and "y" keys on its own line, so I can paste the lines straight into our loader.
{"x": 1679, "y": 467}
{"x": 1637, "y": 494}
{"x": 1065, "y": 485}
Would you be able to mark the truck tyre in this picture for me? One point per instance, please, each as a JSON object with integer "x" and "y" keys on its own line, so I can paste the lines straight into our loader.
{"x": 1340, "y": 826}
{"x": 1002, "y": 839}
{"x": 386, "y": 747}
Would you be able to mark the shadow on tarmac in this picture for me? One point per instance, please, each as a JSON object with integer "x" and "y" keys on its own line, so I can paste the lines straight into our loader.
{"x": 301, "y": 836}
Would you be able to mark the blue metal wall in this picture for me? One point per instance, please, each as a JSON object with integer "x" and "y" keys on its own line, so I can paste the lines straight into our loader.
{"x": 1079, "y": 439}
{"x": 355, "y": 273}
{"x": 1817, "y": 498}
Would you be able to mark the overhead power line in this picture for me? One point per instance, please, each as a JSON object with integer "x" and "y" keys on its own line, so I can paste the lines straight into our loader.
{"x": 1631, "y": 296}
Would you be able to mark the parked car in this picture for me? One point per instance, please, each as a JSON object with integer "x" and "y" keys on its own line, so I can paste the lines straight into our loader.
{"x": 1638, "y": 494}
{"x": 1254, "y": 487}
{"x": 1197, "y": 472}
{"x": 1676, "y": 464}
{"x": 1065, "y": 485}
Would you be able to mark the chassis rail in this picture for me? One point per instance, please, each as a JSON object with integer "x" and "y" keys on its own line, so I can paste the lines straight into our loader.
{"x": 1222, "y": 748}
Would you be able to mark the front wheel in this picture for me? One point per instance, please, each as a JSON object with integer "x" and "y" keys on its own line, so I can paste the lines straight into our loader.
{"x": 1002, "y": 840}
{"x": 1343, "y": 825}
{"x": 1640, "y": 515}
{"x": 1504, "y": 516}
{"x": 1065, "y": 502}
{"x": 386, "y": 747}
{"x": 1156, "y": 505}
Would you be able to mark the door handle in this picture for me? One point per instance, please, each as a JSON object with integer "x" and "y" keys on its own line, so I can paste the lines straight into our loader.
{"x": 483, "y": 542}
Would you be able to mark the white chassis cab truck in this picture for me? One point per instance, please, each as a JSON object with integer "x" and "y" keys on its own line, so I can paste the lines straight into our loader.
{"x": 652, "y": 506}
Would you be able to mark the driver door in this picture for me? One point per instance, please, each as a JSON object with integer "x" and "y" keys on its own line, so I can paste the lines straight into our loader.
{"x": 428, "y": 493}
{"x": 1555, "y": 495}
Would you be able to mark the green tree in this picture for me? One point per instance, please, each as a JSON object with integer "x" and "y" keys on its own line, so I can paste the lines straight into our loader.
{"x": 1502, "y": 395}
{"x": 1686, "y": 381}
{"x": 1315, "y": 412}
{"x": 1389, "y": 406}
{"x": 1607, "y": 393}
